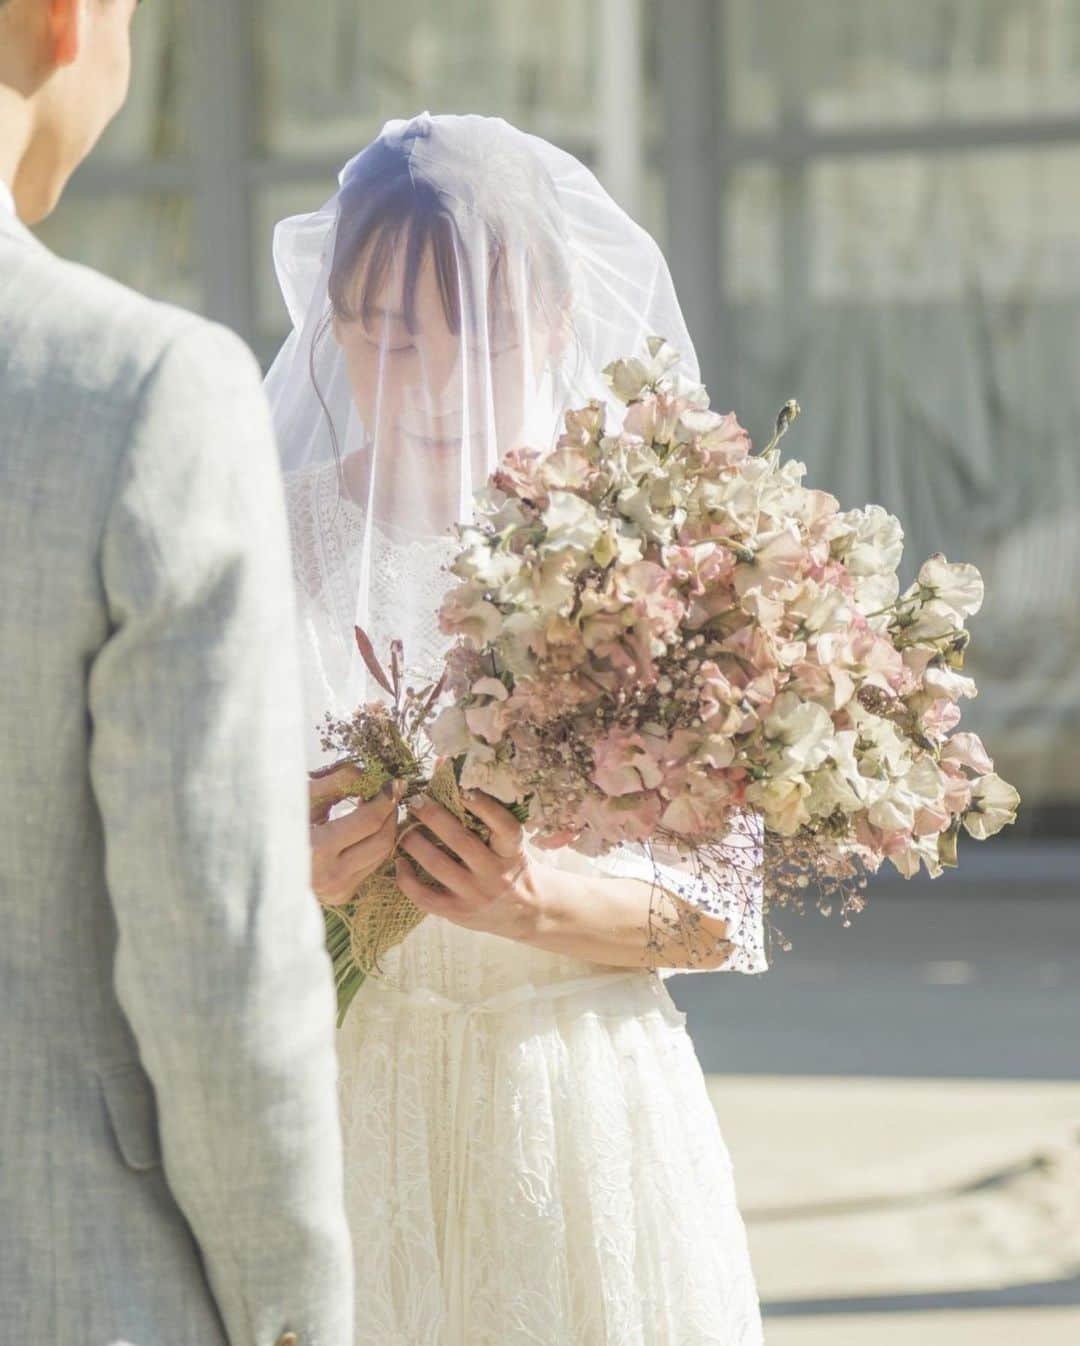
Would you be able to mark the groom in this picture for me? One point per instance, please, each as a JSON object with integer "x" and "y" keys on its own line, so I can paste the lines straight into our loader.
{"x": 170, "y": 1156}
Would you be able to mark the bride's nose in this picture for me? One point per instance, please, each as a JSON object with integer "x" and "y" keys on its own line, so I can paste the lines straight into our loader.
{"x": 439, "y": 390}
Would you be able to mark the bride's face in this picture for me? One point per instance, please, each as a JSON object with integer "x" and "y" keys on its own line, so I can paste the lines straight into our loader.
{"x": 427, "y": 394}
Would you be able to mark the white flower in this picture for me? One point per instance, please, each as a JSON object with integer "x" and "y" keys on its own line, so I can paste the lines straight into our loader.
{"x": 821, "y": 608}
{"x": 492, "y": 687}
{"x": 958, "y": 586}
{"x": 920, "y": 786}
{"x": 734, "y": 499}
{"x": 519, "y": 637}
{"x": 783, "y": 803}
{"x": 875, "y": 592}
{"x": 547, "y": 584}
{"x": 993, "y": 804}
{"x": 924, "y": 780}
{"x": 838, "y": 783}
{"x": 449, "y": 733}
{"x": 947, "y": 682}
{"x": 483, "y": 771}
{"x": 571, "y": 522}
{"x": 783, "y": 498}
{"x": 490, "y": 567}
{"x": 803, "y": 731}
{"x": 715, "y": 751}
{"x": 465, "y": 612}
{"x": 655, "y": 524}
{"x": 566, "y": 468}
{"x": 884, "y": 750}
{"x": 894, "y": 813}
{"x": 933, "y": 620}
{"x": 628, "y": 379}
{"x": 870, "y": 541}
{"x": 684, "y": 388}
{"x": 486, "y": 717}
{"x": 778, "y": 556}
{"x": 924, "y": 849}
{"x": 617, "y": 545}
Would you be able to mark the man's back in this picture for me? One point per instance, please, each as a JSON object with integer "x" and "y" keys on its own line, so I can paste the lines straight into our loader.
{"x": 165, "y": 1009}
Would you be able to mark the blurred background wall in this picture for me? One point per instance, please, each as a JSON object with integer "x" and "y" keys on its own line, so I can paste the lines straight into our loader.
{"x": 872, "y": 206}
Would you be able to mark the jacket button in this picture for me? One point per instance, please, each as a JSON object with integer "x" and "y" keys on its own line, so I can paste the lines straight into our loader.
{"x": 289, "y": 1339}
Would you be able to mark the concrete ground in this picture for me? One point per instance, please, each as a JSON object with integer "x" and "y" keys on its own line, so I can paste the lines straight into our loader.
{"x": 902, "y": 1102}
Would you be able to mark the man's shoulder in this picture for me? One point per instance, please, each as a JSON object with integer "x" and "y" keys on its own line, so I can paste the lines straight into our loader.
{"x": 93, "y": 333}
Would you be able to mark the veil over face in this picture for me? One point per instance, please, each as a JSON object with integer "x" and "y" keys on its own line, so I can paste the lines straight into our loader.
{"x": 461, "y": 290}
{"x": 464, "y": 287}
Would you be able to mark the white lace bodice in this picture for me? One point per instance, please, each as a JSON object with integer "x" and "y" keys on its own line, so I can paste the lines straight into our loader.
{"x": 400, "y": 600}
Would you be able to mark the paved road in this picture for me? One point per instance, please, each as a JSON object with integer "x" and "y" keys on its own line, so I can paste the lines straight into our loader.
{"x": 971, "y": 983}
{"x": 974, "y": 976}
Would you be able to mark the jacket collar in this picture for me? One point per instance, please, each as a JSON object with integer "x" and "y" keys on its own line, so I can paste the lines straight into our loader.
{"x": 12, "y": 227}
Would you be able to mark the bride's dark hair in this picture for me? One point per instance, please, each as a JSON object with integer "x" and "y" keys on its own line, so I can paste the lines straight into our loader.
{"x": 385, "y": 203}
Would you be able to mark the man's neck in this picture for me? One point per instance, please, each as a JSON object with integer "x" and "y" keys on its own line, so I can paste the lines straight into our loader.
{"x": 15, "y": 134}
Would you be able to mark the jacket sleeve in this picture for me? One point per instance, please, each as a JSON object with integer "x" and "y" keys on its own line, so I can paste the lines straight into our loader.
{"x": 198, "y": 769}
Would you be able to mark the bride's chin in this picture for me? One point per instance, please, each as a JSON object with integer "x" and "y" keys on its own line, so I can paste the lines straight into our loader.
{"x": 430, "y": 447}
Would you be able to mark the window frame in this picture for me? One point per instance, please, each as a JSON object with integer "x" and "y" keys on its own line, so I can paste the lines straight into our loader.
{"x": 703, "y": 147}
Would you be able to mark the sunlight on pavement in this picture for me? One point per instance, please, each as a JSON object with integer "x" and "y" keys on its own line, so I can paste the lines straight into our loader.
{"x": 988, "y": 1327}
{"x": 960, "y": 1192}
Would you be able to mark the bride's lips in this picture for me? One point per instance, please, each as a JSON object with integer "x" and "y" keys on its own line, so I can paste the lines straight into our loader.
{"x": 437, "y": 443}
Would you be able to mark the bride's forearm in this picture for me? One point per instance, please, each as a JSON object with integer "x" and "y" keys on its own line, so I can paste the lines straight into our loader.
{"x": 601, "y": 918}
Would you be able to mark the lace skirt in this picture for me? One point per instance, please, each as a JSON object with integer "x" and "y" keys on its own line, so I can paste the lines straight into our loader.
{"x": 532, "y": 1157}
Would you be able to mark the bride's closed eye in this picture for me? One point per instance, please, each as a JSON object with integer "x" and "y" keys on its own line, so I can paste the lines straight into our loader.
{"x": 392, "y": 347}
{"x": 401, "y": 347}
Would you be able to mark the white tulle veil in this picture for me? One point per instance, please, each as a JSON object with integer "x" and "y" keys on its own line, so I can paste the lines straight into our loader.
{"x": 471, "y": 281}
{"x": 464, "y": 287}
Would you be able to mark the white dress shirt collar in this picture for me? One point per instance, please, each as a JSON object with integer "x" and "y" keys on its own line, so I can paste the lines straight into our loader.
{"x": 7, "y": 201}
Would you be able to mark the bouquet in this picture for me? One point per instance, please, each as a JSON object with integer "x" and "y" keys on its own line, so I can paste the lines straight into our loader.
{"x": 657, "y": 630}
{"x": 659, "y": 634}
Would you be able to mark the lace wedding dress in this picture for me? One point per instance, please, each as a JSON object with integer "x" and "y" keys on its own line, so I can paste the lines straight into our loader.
{"x": 531, "y": 1156}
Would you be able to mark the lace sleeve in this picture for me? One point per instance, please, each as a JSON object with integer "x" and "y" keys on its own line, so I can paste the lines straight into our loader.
{"x": 733, "y": 892}
{"x": 737, "y": 897}
{"x": 300, "y": 503}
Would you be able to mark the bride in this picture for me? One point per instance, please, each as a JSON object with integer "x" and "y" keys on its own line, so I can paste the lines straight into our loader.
{"x": 530, "y": 1152}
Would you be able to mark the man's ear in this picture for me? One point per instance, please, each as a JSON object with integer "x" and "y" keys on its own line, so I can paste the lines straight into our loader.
{"x": 64, "y": 22}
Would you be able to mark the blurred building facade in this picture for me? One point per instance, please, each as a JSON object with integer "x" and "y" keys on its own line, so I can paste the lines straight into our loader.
{"x": 870, "y": 205}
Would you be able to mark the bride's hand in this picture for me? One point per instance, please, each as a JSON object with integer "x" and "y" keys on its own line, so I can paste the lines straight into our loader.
{"x": 346, "y": 850}
{"x": 490, "y": 886}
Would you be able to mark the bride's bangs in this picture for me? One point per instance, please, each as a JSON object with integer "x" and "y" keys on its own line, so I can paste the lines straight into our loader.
{"x": 406, "y": 219}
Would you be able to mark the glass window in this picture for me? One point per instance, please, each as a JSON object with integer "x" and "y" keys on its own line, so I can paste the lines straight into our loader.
{"x": 146, "y": 241}
{"x": 154, "y": 123}
{"x": 840, "y": 65}
{"x": 751, "y": 233}
{"x": 907, "y": 229}
{"x": 332, "y": 71}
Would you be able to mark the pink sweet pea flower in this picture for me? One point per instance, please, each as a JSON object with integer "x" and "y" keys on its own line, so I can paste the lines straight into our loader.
{"x": 967, "y": 749}
{"x": 623, "y": 765}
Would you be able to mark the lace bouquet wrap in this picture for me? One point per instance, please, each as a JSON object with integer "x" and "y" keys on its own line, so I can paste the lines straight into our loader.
{"x": 657, "y": 630}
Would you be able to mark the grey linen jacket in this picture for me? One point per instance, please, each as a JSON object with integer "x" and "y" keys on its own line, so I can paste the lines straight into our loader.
{"x": 170, "y": 1150}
